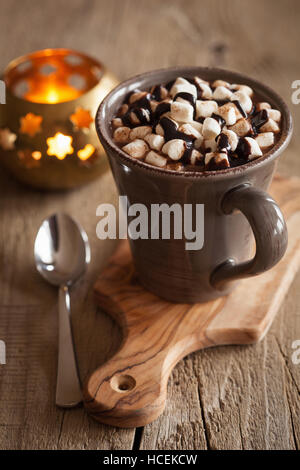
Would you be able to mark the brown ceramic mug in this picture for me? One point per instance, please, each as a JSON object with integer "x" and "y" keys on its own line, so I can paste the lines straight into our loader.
{"x": 235, "y": 203}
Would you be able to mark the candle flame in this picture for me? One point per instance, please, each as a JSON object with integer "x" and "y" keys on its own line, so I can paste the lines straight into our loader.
{"x": 52, "y": 96}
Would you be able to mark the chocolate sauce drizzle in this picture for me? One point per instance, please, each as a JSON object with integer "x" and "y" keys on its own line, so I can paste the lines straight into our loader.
{"x": 127, "y": 97}
{"x": 195, "y": 82}
{"x": 239, "y": 107}
{"x": 126, "y": 119}
{"x": 219, "y": 119}
{"x": 223, "y": 142}
{"x": 259, "y": 119}
{"x": 143, "y": 115}
{"x": 170, "y": 84}
{"x": 222, "y": 165}
{"x": 171, "y": 132}
{"x": 143, "y": 102}
{"x": 187, "y": 97}
{"x": 161, "y": 108}
{"x": 156, "y": 92}
{"x": 243, "y": 149}
{"x": 141, "y": 108}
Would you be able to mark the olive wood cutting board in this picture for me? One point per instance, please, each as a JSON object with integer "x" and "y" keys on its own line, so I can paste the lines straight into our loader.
{"x": 131, "y": 388}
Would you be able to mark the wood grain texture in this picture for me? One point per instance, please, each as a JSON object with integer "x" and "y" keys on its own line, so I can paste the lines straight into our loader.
{"x": 237, "y": 396}
{"x": 131, "y": 389}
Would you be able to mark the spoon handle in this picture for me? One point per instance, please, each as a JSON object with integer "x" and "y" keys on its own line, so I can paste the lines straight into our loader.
{"x": 68, "y": 390}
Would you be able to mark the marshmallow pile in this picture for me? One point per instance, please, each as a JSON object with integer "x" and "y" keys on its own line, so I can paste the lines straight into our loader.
{"x": 191, "y": 124}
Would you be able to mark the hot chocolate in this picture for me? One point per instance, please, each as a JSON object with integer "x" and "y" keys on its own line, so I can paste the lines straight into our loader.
{"x": 193, "y": 124}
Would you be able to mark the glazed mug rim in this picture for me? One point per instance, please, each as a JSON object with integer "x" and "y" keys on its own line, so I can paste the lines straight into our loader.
{"x": 104, "y": 130}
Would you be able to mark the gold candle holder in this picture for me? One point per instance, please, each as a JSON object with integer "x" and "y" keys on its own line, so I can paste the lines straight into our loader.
{"x": 47, "y": 133}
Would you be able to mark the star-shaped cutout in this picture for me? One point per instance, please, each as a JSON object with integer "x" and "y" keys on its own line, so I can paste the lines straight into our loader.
{"x": 28, "y": 158}
{"x": 86, "y": 152}
{"x": 81, "y": 119}
{"x": 60, "y": 145}
{"x": 88, "y": 155}
{"x": 30, "y": 124}
{"x": 7, "y": 139}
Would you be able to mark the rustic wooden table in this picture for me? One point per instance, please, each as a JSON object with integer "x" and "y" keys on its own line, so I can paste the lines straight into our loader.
{"x": 223, "y": 398}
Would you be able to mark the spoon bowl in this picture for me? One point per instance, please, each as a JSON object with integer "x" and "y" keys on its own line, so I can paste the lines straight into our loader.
{"x": 61, "y": 250}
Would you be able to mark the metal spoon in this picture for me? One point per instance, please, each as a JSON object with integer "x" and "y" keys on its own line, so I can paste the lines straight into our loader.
{"x": 61, "y": 252}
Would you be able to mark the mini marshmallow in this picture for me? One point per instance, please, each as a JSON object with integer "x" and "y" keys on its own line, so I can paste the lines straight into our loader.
{"x": 211, "y": 128}
{"x": 123, "y": 110}
{"x": 265, "y": 140}
{"x": 245, "y": 100}
{"x": 206, "y": 108}
{"x": 244, "y": 88}
{"x": 219, "y": 132}
{"x": 198, "y": 142}
{"x": 117, "y": 122}
{"x": 195, "y": 157}
{"x": 270, "y": 126}
{"x": 140, "y": 132}
{"x": 228, "y": 113}
{"x": 135, "y": 119}
{"x": 255, "y": 151}
{"x": 181, "y": 81}
{"x": 197, "y": 125}
{"x": 155, "y": 159}
{"x": 199, "y": 80}
{"x": 263, "y": 105}
{"x": 274, "y": 114}
{"x": 175, "y": 166}
{"x": 174, "y": 149}
{"x": 242, "y": 127}
{"x": 183, "y": 86}
{"x": 182, "y": 100}
{"x": 206, "y": 91}
{"x": 188, "y": 129}
{"x": 154, "y": 141}
{"x": 181, "y": 112}
{"x": 136, "y": 149}
{"x": 210, "y": 145}
{"x": 153, "y": 105}
{"x": 233, "y": 139}
{"x": 222, "y": 93}
{"x": 159, "y": 130}
{"x": 121, "y": 134}
{"x": 216, "y": 161}
{"x": 137, "y": 96}
{"x": 217, "y": 83}
{"x": 162, "y": 92}
{"x": 238, "y": 113}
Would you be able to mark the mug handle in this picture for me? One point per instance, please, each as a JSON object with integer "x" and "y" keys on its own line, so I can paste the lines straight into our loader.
{"x": 270, "y": 232}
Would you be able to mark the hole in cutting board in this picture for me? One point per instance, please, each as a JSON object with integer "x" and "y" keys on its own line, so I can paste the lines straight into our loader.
{"x": 122, "y": 383}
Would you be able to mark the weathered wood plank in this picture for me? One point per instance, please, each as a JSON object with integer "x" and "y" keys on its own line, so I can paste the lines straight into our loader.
{"x": 28, "y": 324}
{"x": 259, "y": 39}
